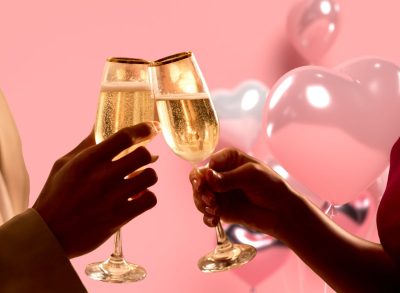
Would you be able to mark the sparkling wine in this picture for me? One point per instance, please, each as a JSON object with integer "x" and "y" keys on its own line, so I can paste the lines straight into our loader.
{"x": 126, "y": 99}
{"x": 189, "y": 123}
{"x": 122, "y": 104}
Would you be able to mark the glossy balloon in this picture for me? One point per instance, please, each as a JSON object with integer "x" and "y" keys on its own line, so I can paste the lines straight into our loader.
{"x": 333, "y": 129}
{"x": 312, "y": 27}
{"x": 271, "y": 254}
{"x": 262, "y": 152}
{"x": 378, "y": 187}
{"x": 240, "y": 113}
{"x": 358, "y": 216}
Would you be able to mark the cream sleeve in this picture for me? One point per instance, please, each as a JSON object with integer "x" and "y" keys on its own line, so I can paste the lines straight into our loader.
{"x": 14, "y": 180}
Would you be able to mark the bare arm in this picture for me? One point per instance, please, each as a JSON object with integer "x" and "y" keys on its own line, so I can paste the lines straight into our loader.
{"x": 347, "y": 263}
{"x": 247, "y": 192}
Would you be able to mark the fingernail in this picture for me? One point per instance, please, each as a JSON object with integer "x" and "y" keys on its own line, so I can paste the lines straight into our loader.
{"x": 154, "y": 158}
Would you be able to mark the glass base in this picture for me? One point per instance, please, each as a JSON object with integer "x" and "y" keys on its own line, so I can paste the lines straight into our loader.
{"x": 115, "y": 270}
{"x": 226, "y": 256}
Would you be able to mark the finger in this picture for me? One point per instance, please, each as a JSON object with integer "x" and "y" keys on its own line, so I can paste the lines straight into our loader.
{"x": 228, "y": 159}
{"x": 84, "y": 144}
{"x": 131, "y": 162}
{"x": 208, "y": 198}
{"x": 130, "y": 187}
{"x": 202, "y": 197}
{"x": 198, "y": 202}
{"x": 197, "y": 174}
{"x": 206, "y": 202}
{"x": 212, "y": 211}
{"x": 197, "y": 179}
{"x": 123, "y": 139}
{"x": 135, "y": 206}
{"x": 211, "y": 221}
{"x": 237, "y": 178}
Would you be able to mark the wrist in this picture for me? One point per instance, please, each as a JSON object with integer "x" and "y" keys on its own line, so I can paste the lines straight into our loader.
{"x": 294, "y": 207}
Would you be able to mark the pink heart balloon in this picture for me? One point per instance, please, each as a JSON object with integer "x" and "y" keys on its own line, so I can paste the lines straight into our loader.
{"x": 271, "y": 254}
{"x": 333, "y": 129}
{"x": 312, "y": 27}
{"x": 262, "y": 152}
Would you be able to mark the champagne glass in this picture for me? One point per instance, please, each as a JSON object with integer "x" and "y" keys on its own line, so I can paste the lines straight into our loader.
{"x": 190, "y": 128}
{"x": 126, "y": 99}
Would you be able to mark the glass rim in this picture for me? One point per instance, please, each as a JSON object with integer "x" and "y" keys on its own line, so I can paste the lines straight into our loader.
{"x": 173, "y": 58}
{"x": 128, "y": 60}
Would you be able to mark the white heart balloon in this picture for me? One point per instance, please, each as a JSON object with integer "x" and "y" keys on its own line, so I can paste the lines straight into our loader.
{"x": 240, "y": 113}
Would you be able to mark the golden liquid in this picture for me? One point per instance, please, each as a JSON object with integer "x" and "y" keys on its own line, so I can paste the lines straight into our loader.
{"x": 122, "y": 105}
{"x": 190, "y": 125}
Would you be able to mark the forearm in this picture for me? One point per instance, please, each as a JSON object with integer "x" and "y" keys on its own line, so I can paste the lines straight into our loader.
{"x": 347, "y": 263}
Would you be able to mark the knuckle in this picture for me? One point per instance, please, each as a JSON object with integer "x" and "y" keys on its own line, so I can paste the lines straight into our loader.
{"x": 233, "y": 153}
{"x": 254, "y": 167}
{"x": 255, "y": 170}
{"x": 60, "y": 163}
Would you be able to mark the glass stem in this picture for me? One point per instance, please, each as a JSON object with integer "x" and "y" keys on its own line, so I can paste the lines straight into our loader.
{"x": 221, "y": 236}
{"x": 117, "y": 245}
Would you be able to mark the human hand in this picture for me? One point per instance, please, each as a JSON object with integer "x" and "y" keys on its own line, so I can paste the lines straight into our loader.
{"x": 240, "y": 189}
{"x": 85, "y": 198}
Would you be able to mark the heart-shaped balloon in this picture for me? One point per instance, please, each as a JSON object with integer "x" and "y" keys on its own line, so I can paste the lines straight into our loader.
{"x": 358, "y": 216}
{"x": 271, "y": 254}
{"x": 262, "y": 152}
{"x": 240, "y": 113}
{"x": 312, "y": 27}
{"x": 378, "y": 187}
{"x": 333, "y": 129}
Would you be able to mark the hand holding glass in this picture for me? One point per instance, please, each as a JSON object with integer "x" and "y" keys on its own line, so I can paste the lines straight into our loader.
{"x": 126, "y": 99}
{"x": 190, "y": 128}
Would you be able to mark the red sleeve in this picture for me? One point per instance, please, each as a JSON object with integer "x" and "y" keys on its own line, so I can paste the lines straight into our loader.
{"x": 388, "y": 217}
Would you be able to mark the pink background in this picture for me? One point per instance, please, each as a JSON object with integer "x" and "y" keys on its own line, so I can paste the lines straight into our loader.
{"x": 51, "y": 59}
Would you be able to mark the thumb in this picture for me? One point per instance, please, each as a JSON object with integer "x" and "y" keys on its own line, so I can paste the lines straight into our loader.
{"x": 87, "y": 142}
